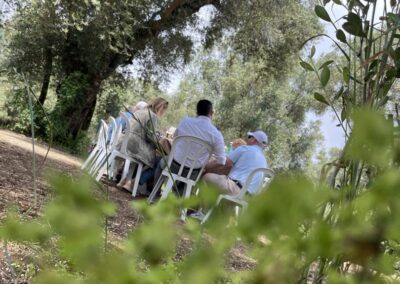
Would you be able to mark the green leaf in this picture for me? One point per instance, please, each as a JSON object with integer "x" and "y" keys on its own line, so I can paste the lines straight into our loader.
{"x": 306, "y": 66}
{"x": 390, "y": 73}
{"x": 340, "y": 35}
{"x": 346, "y": 74}
{"x": 312, "y": 53}
{"x": 393, "y": 18}
{"x": 354, "y": 25}
{"x": 371, "y": 139}
{"x": 337, "y": 2}
{"x": 325, "y": 75}
{"x": 339, "y": 93}
{"x": 393, "y": 3}
{"x": 326, "y": 63}
{"x": 320, "y": 98}
{"x": 326, "y": 1}
{"x": 322, "y": 13}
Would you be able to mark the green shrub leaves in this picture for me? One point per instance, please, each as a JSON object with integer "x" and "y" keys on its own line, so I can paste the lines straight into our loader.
{"x": 322, "y": 13}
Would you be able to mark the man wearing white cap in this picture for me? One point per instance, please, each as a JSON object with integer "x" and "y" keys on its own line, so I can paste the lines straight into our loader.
{"x": 244, "y": 159}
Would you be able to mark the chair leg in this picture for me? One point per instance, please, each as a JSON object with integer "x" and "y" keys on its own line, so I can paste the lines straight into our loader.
{"x": 111, "y": 166}
{"x": 105, "y": 168}
{"x": 156, "y": 188}
{"x": 207, "y": 216}
{"x": 92, "y": 165}
{"x": 167, "y": 188}
{"x": 98, "y": 163}
{"x": 125, "y": 171}
{"x": 211, "y": 210}
{"x": 93, "y": 161}
{"x": 90, "y": 158}
{"x": 138, "y": 174}
{"x": 100, "y": 172}
{"x": 187, "y": 192}
{"x": 237, "y": 208}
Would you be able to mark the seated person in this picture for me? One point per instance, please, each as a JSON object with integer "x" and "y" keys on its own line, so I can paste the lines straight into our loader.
{"x": 238, "y": 142}
{"x": 131, "y": 110}
{"x": 244, "y": 159}
{"x": 200, "y": 127}
{"x": 142, "y": 136}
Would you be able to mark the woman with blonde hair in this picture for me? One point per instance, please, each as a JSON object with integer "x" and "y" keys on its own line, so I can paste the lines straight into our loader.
{"x": 144, "y": 125}
{"x": 238, "y": 142}
{"x": 143, "y": 133}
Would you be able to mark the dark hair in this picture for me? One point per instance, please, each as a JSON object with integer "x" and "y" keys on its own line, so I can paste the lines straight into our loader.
{"x": 204, "y": 107}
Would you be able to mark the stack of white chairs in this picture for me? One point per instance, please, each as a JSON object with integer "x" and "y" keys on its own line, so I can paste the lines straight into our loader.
{"x": 110, "y": 141}
{"x": 96, "y": 153}
{"x": 239, "y": 199}
{"x": 109, "y": 163}
{"x": 192, "y": 159}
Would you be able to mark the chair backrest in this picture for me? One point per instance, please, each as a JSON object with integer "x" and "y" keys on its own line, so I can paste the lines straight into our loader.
{"x": 102, "y": 134}
{"x": 125, "y": 135}
{"x": 112, "y": 133}
{"x": 267, "y": 175}
{"x": 190, "y": 157}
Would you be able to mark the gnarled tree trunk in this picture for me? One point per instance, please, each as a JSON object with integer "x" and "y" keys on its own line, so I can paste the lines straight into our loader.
{"x": 76, "y": 104}
{"x": 46, "y": 74}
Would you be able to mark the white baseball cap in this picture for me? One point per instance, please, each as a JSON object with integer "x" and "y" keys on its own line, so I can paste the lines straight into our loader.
{"x": 260, "y": 136}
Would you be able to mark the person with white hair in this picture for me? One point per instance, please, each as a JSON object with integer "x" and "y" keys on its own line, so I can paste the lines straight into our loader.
{"x": 129, "y": 114}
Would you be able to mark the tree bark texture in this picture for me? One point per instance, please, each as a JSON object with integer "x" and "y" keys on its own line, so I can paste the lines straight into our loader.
{"x": 46, "y": 74}
{"x": 76, "y": 116}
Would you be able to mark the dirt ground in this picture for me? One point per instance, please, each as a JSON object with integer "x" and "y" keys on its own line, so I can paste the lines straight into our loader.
{"x": 16, "y": 189}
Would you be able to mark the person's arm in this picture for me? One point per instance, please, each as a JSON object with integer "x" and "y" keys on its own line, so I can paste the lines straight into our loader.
{"x": 219, "y": 150}
{"x": 216, "y": 168}
{"x": 177, "y": 129}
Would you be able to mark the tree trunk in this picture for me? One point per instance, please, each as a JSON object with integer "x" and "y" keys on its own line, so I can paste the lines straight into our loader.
{"x": 75, "y": 106}
{"x": 80, "y": 116}
{"x": 48, "y": 55}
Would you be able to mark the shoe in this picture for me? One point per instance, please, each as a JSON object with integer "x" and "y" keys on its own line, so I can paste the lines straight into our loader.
{"x": 121, "y": 183}
{"x": 199, "y": 215}
{"x": 128, "y": 186}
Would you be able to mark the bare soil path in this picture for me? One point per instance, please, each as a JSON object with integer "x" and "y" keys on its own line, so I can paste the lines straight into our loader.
{"x": 16, "y": 189}
{"x": 16, "y": 186}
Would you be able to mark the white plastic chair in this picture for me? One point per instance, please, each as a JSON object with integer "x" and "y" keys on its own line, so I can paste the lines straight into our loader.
{"x": 90, "y": 162}
{"x": 238, "y": 199}
{"x": 101, "y": 160}
{"x": 194, "y": 149}
{"x": 122, "y": 153}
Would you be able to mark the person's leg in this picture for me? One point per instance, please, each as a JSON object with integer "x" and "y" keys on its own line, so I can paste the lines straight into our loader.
{"x": 146, "y": 175}
{"x": 222, "y": 182}
{"x": 159, "y": 168}
{"x": 146, "y": 178}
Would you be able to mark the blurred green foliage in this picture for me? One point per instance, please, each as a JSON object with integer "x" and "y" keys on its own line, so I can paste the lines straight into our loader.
{"x": 292, "y": 231}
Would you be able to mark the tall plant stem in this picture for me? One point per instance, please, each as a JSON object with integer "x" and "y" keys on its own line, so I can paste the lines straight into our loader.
{"x": 33, "y": 145}
{"x": 330, "y": 103}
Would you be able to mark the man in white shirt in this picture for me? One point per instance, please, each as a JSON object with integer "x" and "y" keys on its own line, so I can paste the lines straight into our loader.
{"x": 200, "y": 127}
